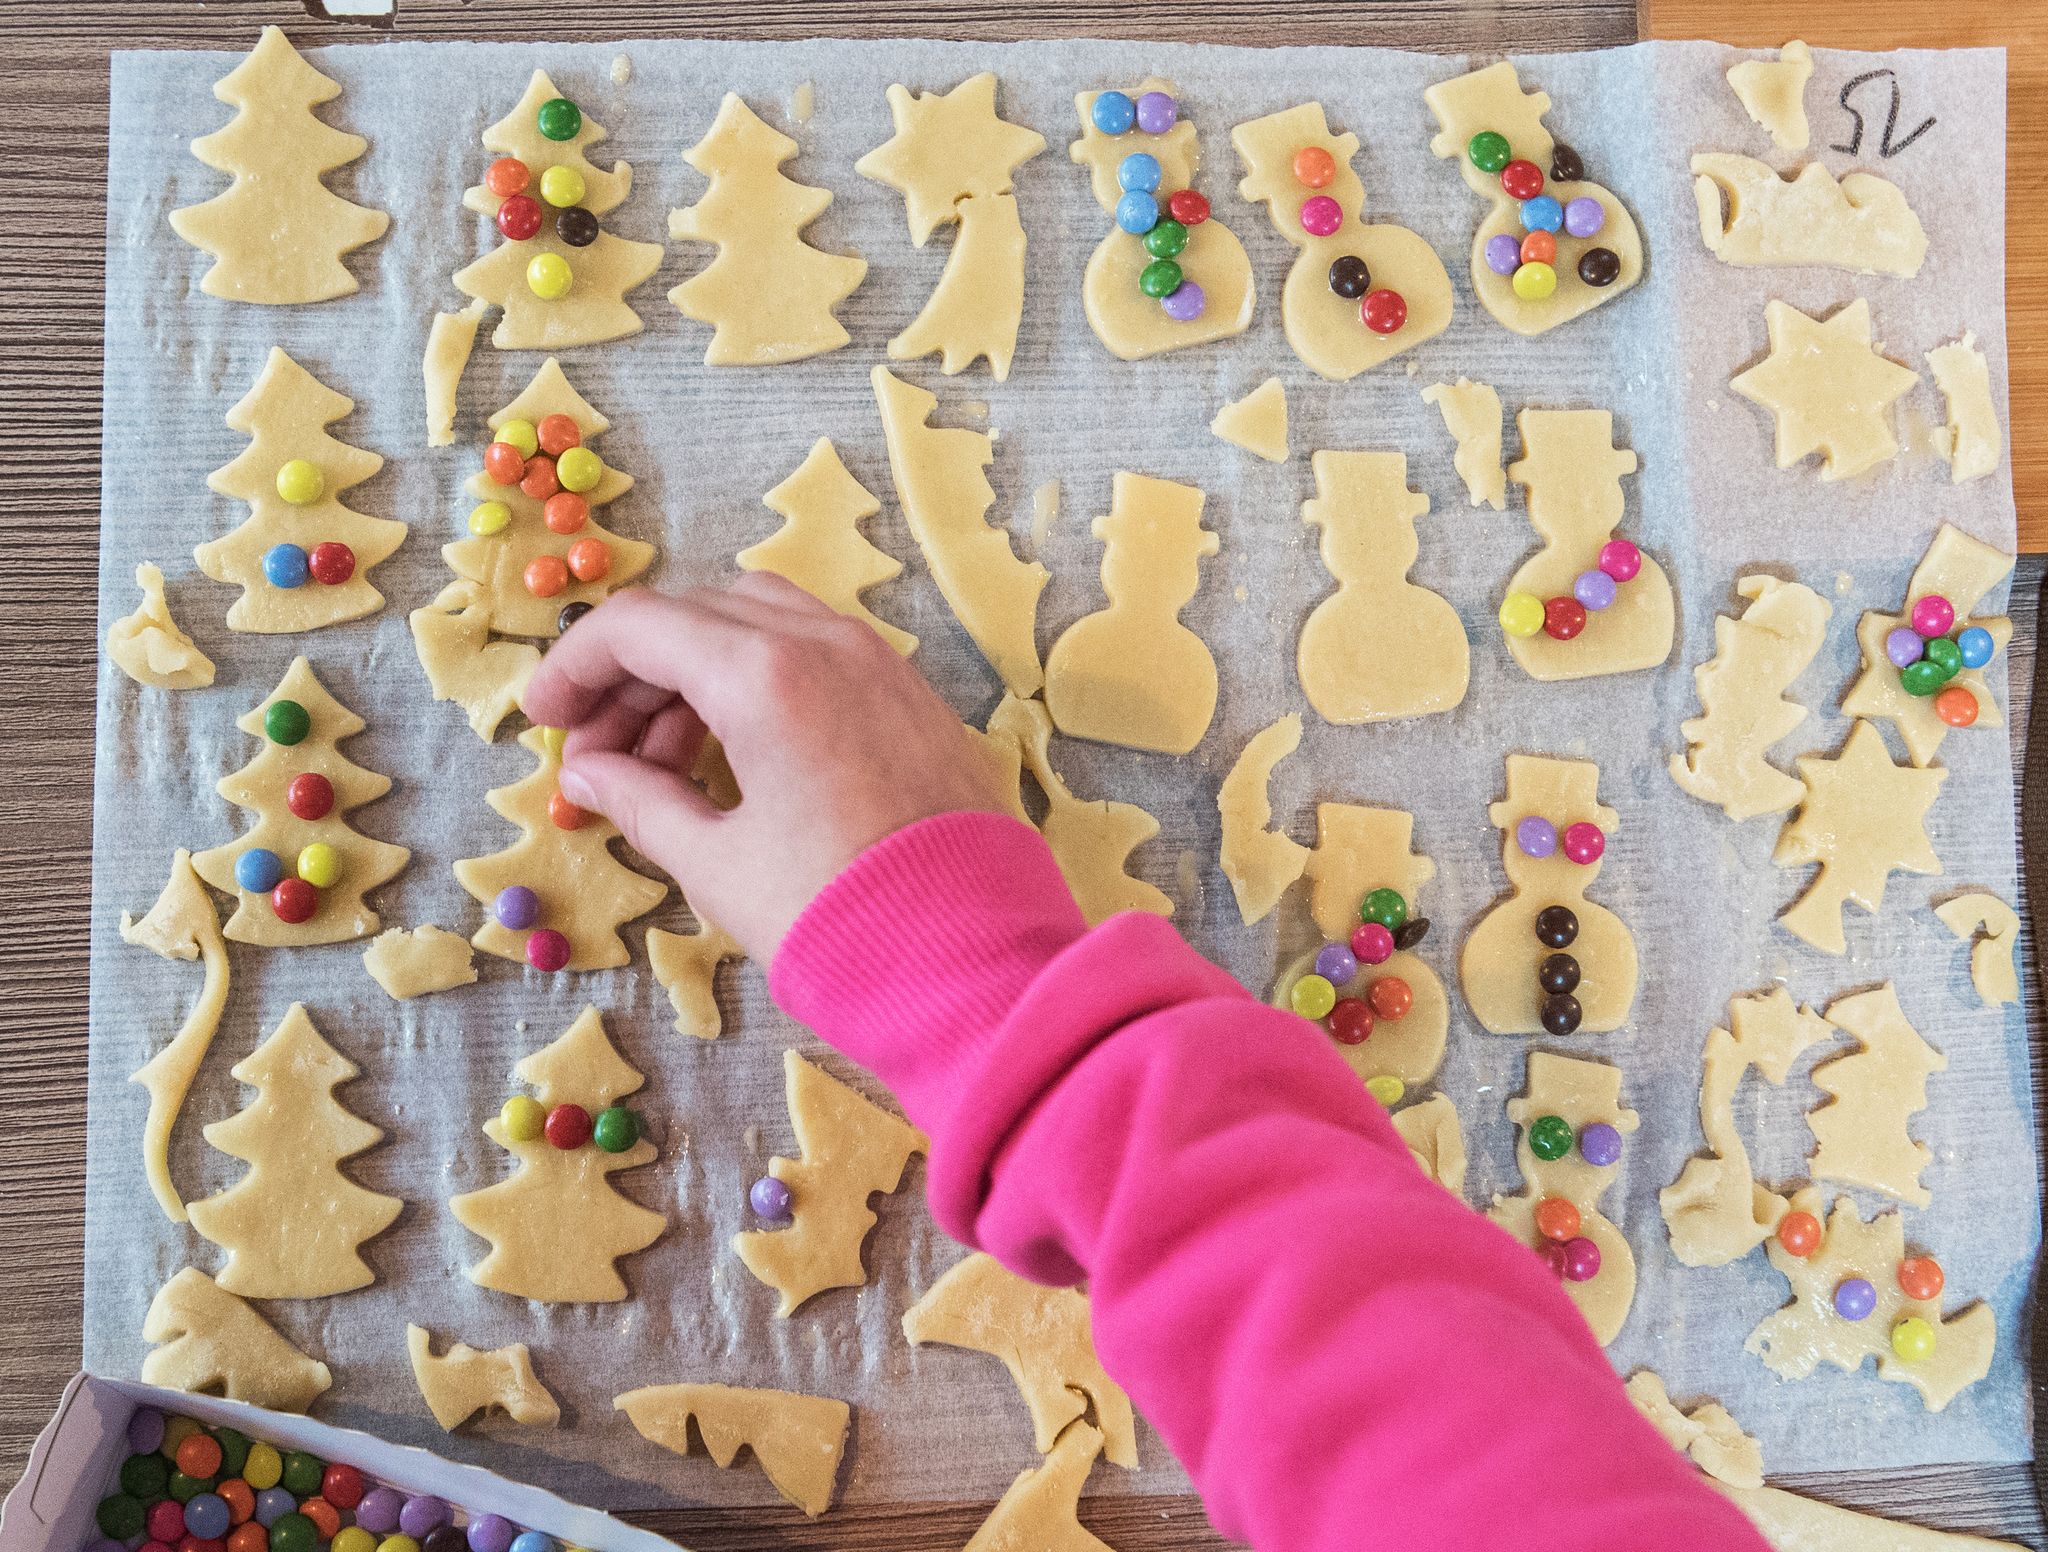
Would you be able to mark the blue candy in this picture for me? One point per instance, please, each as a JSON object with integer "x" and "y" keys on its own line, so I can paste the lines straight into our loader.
{"x": 1113, "y": 113}
{"x": 1137, "y": 212}
{"x": 272, "y": 1505}
{"x": 535, "y": 1541}
{"x": 206, "y": 1516}
{"x": 284, "y": 565}
{"x": 1976, "y": 645}
{"x": 1139, "y": 170}
{"x": 258, "y": 870}
{"x": 1542, "y": 214}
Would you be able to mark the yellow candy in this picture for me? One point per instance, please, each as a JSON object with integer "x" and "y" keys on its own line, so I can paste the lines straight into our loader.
{"x": 300, "y": 482}
{"x": 522, "y": 1118}
{"x": 1521, "y": 614}
{"x": 1534, "y": 281}
{"x": 320, "y": 865}
{"x": 579, "y": 469}
{"x": 551, "y": 740}
{"x": 1913, "y": 1339}
{"x": 1386, "y": 1088}
{"x": 399, "y": 1543}
{"x": 1313, "y": 996}
{"x": 548, "y": 278}
{"x": 176, "y": 1431}
{"x": 263, "y": 1468}
{"x": 562, "y": 187}
{"x": 489, "y": 517}
{"x": 352, "y": 1538}
{"x": 520, "y": 434}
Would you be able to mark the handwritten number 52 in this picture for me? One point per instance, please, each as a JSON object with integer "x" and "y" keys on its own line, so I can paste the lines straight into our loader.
{"x": 1886, "y": 145}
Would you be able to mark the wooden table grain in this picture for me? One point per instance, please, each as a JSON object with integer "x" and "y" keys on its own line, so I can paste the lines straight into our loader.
{"x": 52, "y": 188}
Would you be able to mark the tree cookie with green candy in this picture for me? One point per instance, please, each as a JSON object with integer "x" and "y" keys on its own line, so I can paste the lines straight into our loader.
{"x": 1551, "y": 246}
{"x": 1357, "y": 293}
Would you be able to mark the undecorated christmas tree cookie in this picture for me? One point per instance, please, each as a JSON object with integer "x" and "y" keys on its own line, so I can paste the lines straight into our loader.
{"x": 685, "y": 965}
{"x": 426, "y": 959}
{"x": 820, "y": 546}
{"x": 1992, "y": 970}
{"x": 1040, "y": 1510}
{"x": 797, "y": 1440}
{"x": 209, "y": 1341}
{"x": 1874, "y": 1092}
{"x": 1828, "y": 388}
{"x": 1773, "y": 93}
{"x": 148, "y": 645}
{"x": 277, "y": 233}
{"x": 1471, "y": 413}
{"x": 1261, "y": 863}
{"x": 1257, "y": 422}
{"x": 1970, "y": 440}
{"x": 1751, "y": 216}
{"x": 463, "y": 1381}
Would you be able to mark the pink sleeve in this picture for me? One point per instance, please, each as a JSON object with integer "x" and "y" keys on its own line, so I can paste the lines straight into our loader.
{"x": 1326, "y": 1339}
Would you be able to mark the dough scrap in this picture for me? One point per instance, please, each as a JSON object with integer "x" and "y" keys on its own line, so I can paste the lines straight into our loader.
{"x": 1583, "y": 1093}
{"x": 1324, "y": 328}
{"x": 1435, "y": 1140}
{"x": 1131, "y": 324}
{"x": 1039, "y": 1512}
{"x": 1773, "y": 93}
{"x": 1131, "y": 673}
{"x": 595, "y": 308}
{"x": 1715, "y": 1210}
{"x": 1092, "y": 841}
{"x": 277, "y": 233}
{"x": 1971, "y": 440}
{"x": 768, "y": 295}
{"x": 1862, "y": 818}
{"x": 820, "y": 547}
{"x": 1043, "y": 1337}
{"x": 183, "y": 924}
{"x": 1992, "y": 970}
{"x": 426, "y": 959}
{"x": 586, "y": 893}
{"x": 1493, "y": 99}
{"x": 952, "y": 157}
{"x": 1572, "y": 472}
{"x": 850, "y": 1149}
{"x": 1751, "y": 216}
{"x": 1876, "y": 1090}
{"x": 557, "y": 1226}
{"x": 1380, "y": 647}
{"x": 452, "y": 638}
{"x": 259, "y": 787}
{"x": 449, "y": 343}
{"x": 1257, "y": 422}
{"x": 1964, "y": 570}
{"x": 1471, "y": 414}
{"x": 282, "y": 415}
{"x": 1261, "y": 863}
{"x": 150, "y": 647}
{"x": 797, "y": 1440}
{"x": 1743, "y": 706}
{"x": 685, "y": 965}
{"x": 464, "y": 1381}
{"x": 1829, "y": 389}
{"x": 1497, "y": 967}
{"x": 1715, "y": 1441}
{"x": 945, "y": 498}
{"x": 1795, "y": 1340}
{"x": 209, "y": 1340}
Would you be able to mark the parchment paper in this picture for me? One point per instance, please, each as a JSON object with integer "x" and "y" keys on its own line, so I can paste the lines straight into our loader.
{"x": 1699, "y": 893}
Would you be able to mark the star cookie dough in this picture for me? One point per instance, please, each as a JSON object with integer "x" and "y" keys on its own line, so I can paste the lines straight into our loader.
{"x": 1828, "y": 387}
{"x": 797, "y": 1440}
{"x": 148, "y": 645}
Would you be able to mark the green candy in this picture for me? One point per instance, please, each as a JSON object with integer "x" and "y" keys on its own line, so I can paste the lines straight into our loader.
{"x": 286, "y": 722}
{"x": 120, "y": 1517}
{"x": 559, "y": 119}
{"x": 616, "y": 1129}
{"x": 1166, "y": 240}
{"x": 1160, "y": 278}
{"x": 1942, "y": 650}
{"x": 293, "y": 1533}
{"x": 1386, "y": 907}
{"x": 1923, "y": 677}
{"x": 185, "y": 1489}
{"x": 147, "y": 1477}
{"x": 1489, "y": 151}
{"x": 1550, "y": 1138}
{"x": 302, "y": 1474}
{"x": 234, "y": 1451}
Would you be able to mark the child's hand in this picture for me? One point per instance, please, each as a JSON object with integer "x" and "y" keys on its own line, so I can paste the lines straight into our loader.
{"x": 835, "y": 741}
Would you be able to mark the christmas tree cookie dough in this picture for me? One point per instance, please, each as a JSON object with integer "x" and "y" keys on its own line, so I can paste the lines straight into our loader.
{"x": 1572, "y": 1122}
{"x": 1261, "y": 863}
{"x": 820, "y": 547}
{"x": 1992, "y": 970}
{"x": 1875, "y": 1091}
{"x": 1168, "y": 275}
{"x": 1131, "y": 673}
{"x": 1773, "y": 93}
{"x": 1551, "y": 246}
{"x": 294, "y": 1225}
{"x": 945, "y": 498}
{"x": 148, "y": 645}
{"x": 1751, "y": 216}
{"x": 1743, "y": 706}
{"x": 1856, "y": 1295}
{"x": 557, "y": 1226}
{"x": 560, "y": 279}
{"x": 768, "y": 295}
{"x": 1043, "y": 1338}
{"x": 426, "y": 959}
{"x": 1040, "y": 1510}
{"x": 1588, "y": 602}
{"x": 1435, "y": 1140}
{"x": 462, "y": 1382}
{"x": 1862, "y": 818}
{"x": 277, "y": 233}
{"x": 183, "y": 924}
{"x": 952, "y": 157}
{"x": 797, "y": 1440}
{"x": 1970, "y": 440}
{"x": 1379, "y": 647}
{"x": 209, "y": 1341}
{"x": 850, "y": 1150}
{"x": 452, "y": 638}
{"x": 1357, "y": 294}
{"x": 1471, "y": 414}
{"x": 1546, "y": 959}
{"x": 556, "y": 897}
{"x": 685, "y": 965}
{"x": 449, "y": 343}
{"x": 1715, "y": 1211}
{"x": 1923, "y": 668}
{"x": 302, "y": 559}
{"x": 1257, "y": 422}
{"x": 1828, "y": 388}
{"x": 300, "y": 873}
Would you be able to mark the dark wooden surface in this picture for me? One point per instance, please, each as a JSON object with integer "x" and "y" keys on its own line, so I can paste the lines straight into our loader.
{"x": 53, "y": 68}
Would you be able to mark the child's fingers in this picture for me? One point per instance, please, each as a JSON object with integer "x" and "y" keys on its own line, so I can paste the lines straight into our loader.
{"x": 674, "y": 737}
{"x": 683, "y": 645}
{"x": 664, "y": 817}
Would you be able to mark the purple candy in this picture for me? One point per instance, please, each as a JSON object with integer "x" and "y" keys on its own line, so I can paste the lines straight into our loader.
{"x": 1854, "y": 1298}
{"x": 1599, "y": 1144}
{"x": 1594, "y": 589}
{"x": 516, "y": 907}
{"x": 1336, "y": 963}
{"x": 145, "y": 1430}
{"x": 1157, "y": 112}
{"x": 1503, "y": 254}
{"x": 421, "y": 1516}
{"x": 1904, "y": 647}
{"x": 1584, "y": 216}
{"x": 770, "y": 1199}
{"x": 1537, "y": 837}
{"x": 274, "y": 1503}
{"x": 378, "y": 1512}
{"x": 491, "y": 1533}
{"x": 1184, "y": 303}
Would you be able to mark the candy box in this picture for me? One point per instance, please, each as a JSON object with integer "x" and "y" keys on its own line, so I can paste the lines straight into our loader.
{"x": 75, "y": 1460}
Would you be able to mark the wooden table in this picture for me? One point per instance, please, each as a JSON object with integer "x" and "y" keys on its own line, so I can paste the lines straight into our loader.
{"x": 52, "y": 186}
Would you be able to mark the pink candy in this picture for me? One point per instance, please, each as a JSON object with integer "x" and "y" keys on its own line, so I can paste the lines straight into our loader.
{"x": 1620, "y": 559}
{"x": 1933, "y": 615}
{"x": 1581, "y": 1260}
{"x": 547, "y": 950}
{"x": 1321, "y": 216}
{"x": 1371, "y": 943}
{"x": 1584, "y": 842}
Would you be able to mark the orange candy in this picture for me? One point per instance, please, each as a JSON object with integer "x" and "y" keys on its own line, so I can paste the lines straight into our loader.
{"x": 1314, "y": 166}
{"x": 325, "y": 1517}
{"x": 507, "y": 176}
{"x": 199, "y": 1455}
{"x": 1799, "y": 1233}
{"x": 240, "y": 1498}
{"x": 1921, "y": 1278}
{"x": 557, "y": 434}
{"x": 249, "y": 1537}
{"x": 565, "y": 512}
{"x": 1390, "y": 996}
{"x": 566, "y": 815}
{"x": 1956, "y": 706}
{"x": 540, "y": 482}
{"x": 589, "y": 559}
{"x": 1539, "y": 248}
{"x": 1557, "y": 1219}
{"x": 546, "y": 576}
{"x": 504, "y": 463}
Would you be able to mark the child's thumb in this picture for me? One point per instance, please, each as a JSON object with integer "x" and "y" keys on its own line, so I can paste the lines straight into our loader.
{"x": 664, "y": 816}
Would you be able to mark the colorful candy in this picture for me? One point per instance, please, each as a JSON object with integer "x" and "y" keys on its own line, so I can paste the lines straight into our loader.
{"x": 1157, "y": 113}
{"x": 1391, "y": 997}
{"x": 331, "y": 563}
{"x": 1913, "y": 1339}
{"x": 616, "y": 1129}
{"x": 504, "y": 463}
{"x": 1550, "y": 1137}
{"x": 490, "y": 1533}
{"x": 1503, "y": 254}
{"x": 1799, "y": 1234}
{"x": 1537, "y": 247}
{"x": 1584, "y": 843}
{"x": 1542, "y": 214}
{"x": 1599, "y": 1144}
{"x": 562, "y": 187}
{"x": 1521, "y": 614}
{"x": 425, "y": 1512}
{"x": 1351, "y": 1021}
{"x": 1594, "y": 589}
{"x": 145, "y": 1476}
{"x": 540, "y": 480}
{"x": 1584, "y": 216}
{"x": 119, "y": 1517}
{"x": 1581, "y": 1260}
{"x": 319, "y": 865}
{"x": 240, "y": 1499}
{"x": 549, "y": 277}
{"x": 284, "y": 565}
{"x": 258, "y": 869}
{"x": 302, "y": 1473}
{"x": 563, "y": 814}
{"x": 1372, "y": 943}
{"x": 489, "y": 517}
{"x": 145, "y": 1429}
{"x": 1521, "y": 180}
{"x": 1321, "y": 216}
{"x": 522, "y": 1118}
{"x": 1855, "y": 1298}
{"x": 1137, "y": 212}
{"x": 547, "y": 950}
{"x": 1140, "y": 171}
{"x": 166, "y": 1520}
{"x": 506, "y": 176}
{"x": 1349, "y": 278}
{"x": 1314, "y": 167}
{"x": 546, "y": 575}
{"x": 325, "y": 1517}
{"x": 264, "y": 1467}
{"x": 1556, "y": 926}
{"x": 559, "y": 119}
{"x": 1185, "y": 303}
{"x": 300, "y": 482}
{"x": 1933, "y": 615}
{"x": 1557, "y": 1218}
{"x": 1488, "y": 150}
{"x": 1557, "y": 975}
{"x": 1956, "y": 706}
{"x": 571, "y": 613}
{"x": 1921, "y": 1278}
{"x": 1189, "y": 207}
{"x": 378, "y": 1512}
{"x": 1113, "y": 113}
{"x": 1167, "y": 240}
{"x": 1385, "y": 906}
{"x": 588, "y": 560}
{"x": 294, "y": 900}
{"x": 1620, "y": 560}
{"x": 1599, "y": 267}
{"x": 1160, "y": 278}
{"x": 1536, "y": 836}
{"x": 1386, "y": 1088}
{"x": 1336, "y": 963}
{"x": 1975, "y": 645}
{"x": 565, "y": 511}
{"x": 1313, "y": 996}
{"x": 1563, "y": 618}
{"x": 770, "y": 1199}
{"x": 1383, "y": 311}
{"x": 1560, "y": 1014}
{"x": 578, "y": 469}
{"x": 517, "y": 907}
{"x": 1904, "y": 647}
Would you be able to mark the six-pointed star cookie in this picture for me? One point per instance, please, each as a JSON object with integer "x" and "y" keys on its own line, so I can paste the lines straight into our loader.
{"x": 1829, "y": 389}
{"x": 946, "y": 148}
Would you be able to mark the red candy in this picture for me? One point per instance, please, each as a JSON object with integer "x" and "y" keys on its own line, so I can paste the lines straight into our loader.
{"x": 343, "y": 1486}
{"x": 541, "y": 481}
{"x": 1188, "y": 207}
{"x": 1521, "y": 180}
{"x": 520, "y": 217}
{"x": 310, "y": 796}
{"x": 201, "y": 1544}
{"x": 567, "y": 1126}
{"x": 1552, "y": 1255}
{"x": 546, "y": 575}
{"x": 1563, "y": 618}
{"x": 589, "y": 559}
{"x": 1921, "y": 1278}
{"x": 166, "y": 1522}
{"x": 295, "y": 901}
{"x": 566, "y": 816}
{"x": 1383, "y": 311}
{"x": 504, "y": 463}
{"x": 1539, "y": 248}
{"x": 557, "y": 435}
{"x": 507, "y": 176}
{"x": 1351, "y": 1021}
{"x": 1799, "y": 1233}
{"x": 547, "y": 949}
{"x": 565, "y": 512}
{"x": 332, "y": 563}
